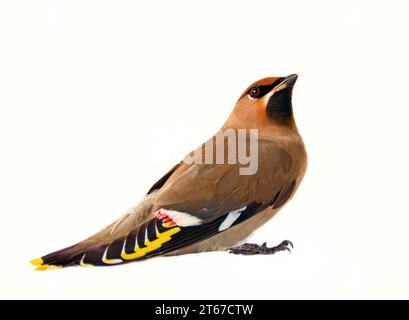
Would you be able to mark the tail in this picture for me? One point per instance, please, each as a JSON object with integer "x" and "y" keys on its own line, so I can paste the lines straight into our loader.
{"x": 90, "y": 252}
{"x": 93, "y": 251}
{"x": 93, "y": 248}
{"x": 145, "y": 241}
{"x": 82, "y": 254}
{"x": 62, "y": 258}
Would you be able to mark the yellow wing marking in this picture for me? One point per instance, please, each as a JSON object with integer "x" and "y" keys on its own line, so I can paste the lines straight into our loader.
{"x": 109, "y": 261}
{"x": 150, "y": 245}
{"x": 83, "y": 264}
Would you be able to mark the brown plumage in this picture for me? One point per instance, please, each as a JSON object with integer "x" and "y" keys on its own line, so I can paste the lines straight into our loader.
{"x": 187, "y": 210}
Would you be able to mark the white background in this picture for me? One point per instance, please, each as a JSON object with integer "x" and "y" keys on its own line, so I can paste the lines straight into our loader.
{"x": 98, "y": 99}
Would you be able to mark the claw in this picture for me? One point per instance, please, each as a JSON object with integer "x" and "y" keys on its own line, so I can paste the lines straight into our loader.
{"x": 290, "y": 243}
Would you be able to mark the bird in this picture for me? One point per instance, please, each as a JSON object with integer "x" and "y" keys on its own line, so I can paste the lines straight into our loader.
{"x": 202, "y": 206}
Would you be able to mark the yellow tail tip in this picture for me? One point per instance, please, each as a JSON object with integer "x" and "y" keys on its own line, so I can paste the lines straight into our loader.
{"x": 37, "y": 262}
{"x": 40, "y": 266}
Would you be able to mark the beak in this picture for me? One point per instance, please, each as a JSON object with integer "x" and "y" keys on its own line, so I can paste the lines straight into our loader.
{"x": 287, "y": 82}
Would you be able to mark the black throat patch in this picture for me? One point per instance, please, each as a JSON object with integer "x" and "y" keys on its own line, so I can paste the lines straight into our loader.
{"x": 279, "y": 106}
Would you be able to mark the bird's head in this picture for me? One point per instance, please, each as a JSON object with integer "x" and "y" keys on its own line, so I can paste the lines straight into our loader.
{"x": 267, "y": 102}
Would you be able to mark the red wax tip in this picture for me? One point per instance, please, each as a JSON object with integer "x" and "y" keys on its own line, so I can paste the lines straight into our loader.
{"x": 167, "y": 219}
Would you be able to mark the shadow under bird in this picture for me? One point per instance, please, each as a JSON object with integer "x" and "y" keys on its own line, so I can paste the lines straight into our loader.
{"x": 199, "y": 207}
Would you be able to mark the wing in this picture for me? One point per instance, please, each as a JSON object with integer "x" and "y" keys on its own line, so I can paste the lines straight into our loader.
{"x": 164, "y": 234}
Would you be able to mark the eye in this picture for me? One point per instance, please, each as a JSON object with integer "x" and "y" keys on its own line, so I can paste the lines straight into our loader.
{"x": 254, "y": 92}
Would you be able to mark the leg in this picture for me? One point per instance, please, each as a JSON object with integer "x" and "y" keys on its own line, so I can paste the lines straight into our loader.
{"x": 252, "y": 249}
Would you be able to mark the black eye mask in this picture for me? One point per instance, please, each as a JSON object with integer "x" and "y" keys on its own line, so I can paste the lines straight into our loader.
{"x": 263, "y": 90}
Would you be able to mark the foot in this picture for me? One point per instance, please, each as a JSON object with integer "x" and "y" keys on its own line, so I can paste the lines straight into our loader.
{"x": 251, "y": 248}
